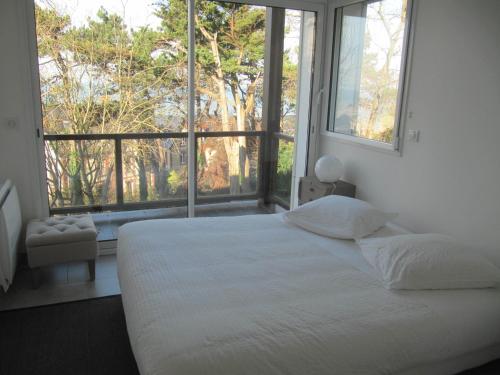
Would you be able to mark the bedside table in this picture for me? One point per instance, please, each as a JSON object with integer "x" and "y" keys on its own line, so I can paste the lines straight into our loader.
{"x": 310, "y": 188}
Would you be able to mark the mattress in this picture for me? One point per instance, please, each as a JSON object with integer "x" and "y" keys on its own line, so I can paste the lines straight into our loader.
{"x": 256, "y": 295}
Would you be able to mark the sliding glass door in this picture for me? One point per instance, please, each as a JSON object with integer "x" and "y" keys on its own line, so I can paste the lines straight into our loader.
{"x": 253, "y": 63}
{"x": 230, "y": 49}
{"x": 118, "y": 90}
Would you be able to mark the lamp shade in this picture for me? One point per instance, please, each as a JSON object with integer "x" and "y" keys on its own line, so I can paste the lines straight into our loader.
{"x": 328, "y": 168}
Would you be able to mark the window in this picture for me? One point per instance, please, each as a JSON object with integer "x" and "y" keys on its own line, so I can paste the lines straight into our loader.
{"x": 129, "y": 125}
{"x": 368, "y": 69}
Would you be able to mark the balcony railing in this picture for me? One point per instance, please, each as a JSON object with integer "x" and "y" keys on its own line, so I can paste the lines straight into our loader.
{"x": 116, "y": 165}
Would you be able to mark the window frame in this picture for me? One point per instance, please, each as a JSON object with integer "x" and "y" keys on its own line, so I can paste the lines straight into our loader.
{"x": 331, "y": 77}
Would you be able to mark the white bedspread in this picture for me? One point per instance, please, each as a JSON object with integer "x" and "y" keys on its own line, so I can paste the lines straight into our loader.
{"x": 255, "y": 295}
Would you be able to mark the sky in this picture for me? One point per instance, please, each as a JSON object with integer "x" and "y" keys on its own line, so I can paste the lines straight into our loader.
{"x": 135, "y": 13}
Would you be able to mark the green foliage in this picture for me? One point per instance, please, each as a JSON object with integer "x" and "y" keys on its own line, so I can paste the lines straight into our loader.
{"x": 285, "y": 157}
{"x": 385, "y": 135}
{"x": 50, "y": 26}
{"x": 175, "y": 181}
{"x": 283, "y": 177}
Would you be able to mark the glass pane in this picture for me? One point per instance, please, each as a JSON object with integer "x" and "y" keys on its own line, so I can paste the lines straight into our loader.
{"x": 216, "y": 176}
{"x": 284, "y": 169}
{"x": 290, "y": 72}
{"x": 296, "y": 84}
{"x": 230, "y": 45}
{"x": 80, "y": 173}
{"x": 109, "y": 66}
{"x": 369, "y": 65}
{"x": 112, "y": 66}
{"x": 154, "y": 169}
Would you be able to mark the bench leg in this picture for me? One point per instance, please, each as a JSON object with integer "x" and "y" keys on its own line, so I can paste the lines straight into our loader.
{"x": 91, "y": 264}
{"x": 35, "y": 277}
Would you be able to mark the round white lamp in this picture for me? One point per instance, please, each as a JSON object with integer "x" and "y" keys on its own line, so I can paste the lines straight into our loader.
{"x": 328, "y": 169}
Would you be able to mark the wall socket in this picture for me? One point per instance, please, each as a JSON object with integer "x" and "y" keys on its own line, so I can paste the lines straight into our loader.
{"x": 413, "y": 135}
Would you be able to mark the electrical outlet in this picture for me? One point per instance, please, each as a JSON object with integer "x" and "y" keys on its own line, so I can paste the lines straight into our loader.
{"x": 413, "y": 135}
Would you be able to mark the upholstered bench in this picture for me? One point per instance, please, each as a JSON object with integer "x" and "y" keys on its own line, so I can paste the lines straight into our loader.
{"x": 61, "y": 239}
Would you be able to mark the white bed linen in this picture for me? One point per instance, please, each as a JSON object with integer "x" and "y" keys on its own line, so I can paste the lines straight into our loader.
{"x": 255, "y": 295}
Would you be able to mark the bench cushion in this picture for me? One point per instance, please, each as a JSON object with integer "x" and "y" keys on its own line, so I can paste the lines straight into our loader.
{"x": 60, "y": 230}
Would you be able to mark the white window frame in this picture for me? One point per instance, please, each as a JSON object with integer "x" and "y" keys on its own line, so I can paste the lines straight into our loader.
{"x": 402, "y": 99}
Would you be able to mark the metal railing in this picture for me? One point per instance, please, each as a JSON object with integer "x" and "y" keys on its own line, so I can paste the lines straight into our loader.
{"x": 120, "y": 204}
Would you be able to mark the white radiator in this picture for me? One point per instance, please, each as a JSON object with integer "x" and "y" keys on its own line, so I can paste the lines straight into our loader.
{"x": 10, "y": 229}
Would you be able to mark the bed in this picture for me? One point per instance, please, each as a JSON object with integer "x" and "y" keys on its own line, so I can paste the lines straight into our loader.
{"x": 257, "y": 295}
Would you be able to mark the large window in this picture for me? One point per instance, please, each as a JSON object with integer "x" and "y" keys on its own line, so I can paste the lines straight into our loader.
{"x": 368, "y": 69}
{"x": 116, "y": 101}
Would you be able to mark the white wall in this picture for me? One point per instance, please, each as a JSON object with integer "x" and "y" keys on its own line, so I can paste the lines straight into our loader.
{"x": 449, "y": 182}
{"x": 18, "y": 145}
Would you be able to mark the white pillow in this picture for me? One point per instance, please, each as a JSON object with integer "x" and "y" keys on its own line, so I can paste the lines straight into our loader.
{"x": 339, "y": 217}
{"x": 428, "y": 261}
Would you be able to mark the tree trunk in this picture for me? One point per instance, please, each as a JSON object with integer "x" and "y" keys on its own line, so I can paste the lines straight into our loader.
{"x": 53, "y": 171}
{"x": 143, "y": 182}
{"x": 74, "y": 171}
{"x": 244, "y": 162}
{"x": 159, "y": 166}
{"x": 85, "y": 175}
{"x": 231, "y": 147}
{"x": 76, "y": 189}
{"x": 105, "y": 186}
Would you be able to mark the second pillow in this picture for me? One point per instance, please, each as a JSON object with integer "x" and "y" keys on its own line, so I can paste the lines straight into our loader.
{"x": 339, "y": 217}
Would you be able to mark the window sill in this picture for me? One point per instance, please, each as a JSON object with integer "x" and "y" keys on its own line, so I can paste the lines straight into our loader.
{"x": 368, "y": 144}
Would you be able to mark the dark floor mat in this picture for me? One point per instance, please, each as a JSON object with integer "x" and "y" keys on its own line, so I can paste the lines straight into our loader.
{"x": 84, "y": 337}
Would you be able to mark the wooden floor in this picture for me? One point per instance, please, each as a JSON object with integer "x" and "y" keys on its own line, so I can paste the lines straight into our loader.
{"x": 62, "y": 283}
